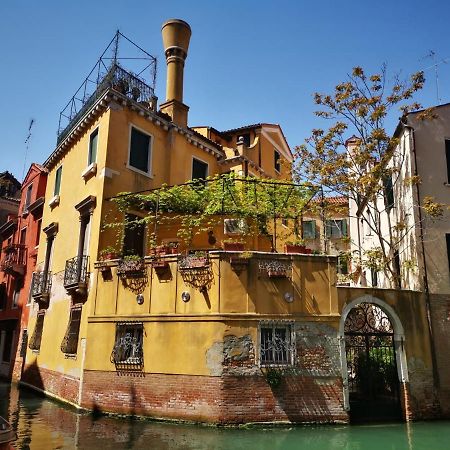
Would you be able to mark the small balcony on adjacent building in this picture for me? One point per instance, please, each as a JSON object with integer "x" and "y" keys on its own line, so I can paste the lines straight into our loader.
{"x": 14, "y": 260}
{"x": 41, "y": 286}
{"x": 76, "y": 275}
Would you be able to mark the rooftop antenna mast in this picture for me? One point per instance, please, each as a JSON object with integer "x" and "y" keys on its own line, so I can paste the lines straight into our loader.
{"x": 432, "y": 55}
{"x": 27, "y": 145}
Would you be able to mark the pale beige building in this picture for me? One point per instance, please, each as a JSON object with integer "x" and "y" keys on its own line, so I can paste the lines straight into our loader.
{"x": 422, "y": 256}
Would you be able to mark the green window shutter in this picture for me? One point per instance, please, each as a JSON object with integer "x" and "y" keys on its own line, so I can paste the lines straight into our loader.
{"x": 327, "y": 228}
{"x": 93, "y": 142}
{"x": 313, "y": 229}
{"x": 344, "y": 227}
{"x": 58, "y": 181}
{"x": 140, "y": 150}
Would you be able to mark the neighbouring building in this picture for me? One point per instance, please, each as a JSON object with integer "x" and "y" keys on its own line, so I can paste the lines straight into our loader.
{"x": 19, "y": 243}
{"x": 9, "y": 196}
{"x": 422, "y": 256}
{"x": 200, "y": 333}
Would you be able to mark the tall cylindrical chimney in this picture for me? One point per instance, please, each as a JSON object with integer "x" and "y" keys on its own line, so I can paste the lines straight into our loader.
{"x": 176, "y": 34}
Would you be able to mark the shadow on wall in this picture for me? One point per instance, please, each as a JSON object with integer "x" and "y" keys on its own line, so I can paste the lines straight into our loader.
{"x": 32, "y": 375}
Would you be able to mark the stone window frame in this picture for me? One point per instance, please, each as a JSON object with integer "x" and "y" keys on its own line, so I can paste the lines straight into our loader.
{"x": 288, "y": 326}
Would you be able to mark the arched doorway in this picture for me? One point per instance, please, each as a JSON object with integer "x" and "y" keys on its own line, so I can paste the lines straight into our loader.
{"x": 372, "y": 374}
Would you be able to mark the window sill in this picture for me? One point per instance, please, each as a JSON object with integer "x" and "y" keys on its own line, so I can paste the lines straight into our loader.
{"x": 54, "y": 201}
{"x": 145, "y": 174}
{"x": 90, "y": 171}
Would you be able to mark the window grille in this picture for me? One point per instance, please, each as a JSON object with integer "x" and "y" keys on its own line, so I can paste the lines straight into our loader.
{"x": 69, "y": 344}
{"x": 128, "y": 346}
{"x": 35, "y": 340}
{"x": 276, "y": 344}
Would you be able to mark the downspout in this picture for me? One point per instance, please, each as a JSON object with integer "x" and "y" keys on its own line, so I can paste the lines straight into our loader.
{"x": 424, "y": 262}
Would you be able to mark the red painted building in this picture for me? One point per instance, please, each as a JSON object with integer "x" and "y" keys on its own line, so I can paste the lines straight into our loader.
{"x": 19, "y": 237}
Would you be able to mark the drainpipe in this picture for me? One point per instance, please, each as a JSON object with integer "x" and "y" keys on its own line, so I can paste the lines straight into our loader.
{"x": 424, "y": 262}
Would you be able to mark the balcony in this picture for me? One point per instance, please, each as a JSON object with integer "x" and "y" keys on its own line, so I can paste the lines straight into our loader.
{"x": 76, "y": 276}
{"x": 41, "y": 286}
{"x": 14, "y": 260}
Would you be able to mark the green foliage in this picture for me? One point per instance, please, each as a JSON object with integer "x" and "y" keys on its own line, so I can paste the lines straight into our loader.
{"x": 358, "y": 109}
{"x": 274, "y": 377}
{"x": 195, "y": 207}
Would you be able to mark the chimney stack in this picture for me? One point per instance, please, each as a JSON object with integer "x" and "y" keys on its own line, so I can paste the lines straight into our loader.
{"x": 176, "y": 34}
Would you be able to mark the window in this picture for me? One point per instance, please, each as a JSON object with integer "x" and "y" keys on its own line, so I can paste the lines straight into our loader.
{"x": 23, "y": 236}
{"x": 128, "y": 345}
{"x": 447, "y": 237}
{"x": 277, "y": 160}
{"x": 139, "y": 157}
{"x": 245, "y": 139}
{"x": 28, "y": 198}
{"x": 18, "y": 284}
{"x": 447, "y": 154}
{"x": 199, "y": 169}
{"x": 374, "y": 276}
{"x": 335, "y": 229}
{"x": 3, "y": 297}
{"x": 36, "y": 338}
{"x": 58, "y": 176}
{"x": 275, "y": 344}
{"x": 309, "y": 229}
{"x": 388, "y": 192}
{"x": 69, "y": 344}
{"x": 38, "y": 232}
{"x": 7, "y": 345}
{"x": 93, "y": 142}
{"x": 342, "y": 264}
{"x": 134, "y": 234}
{"x": 235, "y": 226}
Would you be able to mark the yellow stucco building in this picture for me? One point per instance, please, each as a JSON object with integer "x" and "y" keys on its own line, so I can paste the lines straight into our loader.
{"x": 233, "y": 338}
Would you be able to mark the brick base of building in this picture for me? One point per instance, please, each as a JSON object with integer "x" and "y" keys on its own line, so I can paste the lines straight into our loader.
{"x": 223, "y": 400}
{"x": 54, "y": 384}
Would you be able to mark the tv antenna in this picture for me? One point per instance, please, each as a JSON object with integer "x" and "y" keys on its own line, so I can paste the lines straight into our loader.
{"x": 432, "y": 55}
{"x": 27, "y": 145}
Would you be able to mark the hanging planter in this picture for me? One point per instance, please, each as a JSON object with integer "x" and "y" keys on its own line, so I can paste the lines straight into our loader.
{"x": 195, "y": 261}
{"x": 131, "y": 268}
{"x": 275, "y": 268}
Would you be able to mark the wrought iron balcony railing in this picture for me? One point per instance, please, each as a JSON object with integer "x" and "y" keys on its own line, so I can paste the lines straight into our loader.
{"x": 76, "y": 271}
{"x": 14, "y": 259}
{"x": 41, "y": 284}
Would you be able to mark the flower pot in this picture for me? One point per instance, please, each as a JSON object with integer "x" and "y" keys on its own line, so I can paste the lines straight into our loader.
{"x": 295, "y": 248}
{"x": 233, "y": 246}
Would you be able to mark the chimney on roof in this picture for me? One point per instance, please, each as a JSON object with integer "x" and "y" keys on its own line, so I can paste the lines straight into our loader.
{"x": 176, "y": 34}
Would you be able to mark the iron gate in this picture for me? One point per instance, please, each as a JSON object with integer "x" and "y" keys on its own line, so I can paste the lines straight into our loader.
{"x": 373, "y": 382}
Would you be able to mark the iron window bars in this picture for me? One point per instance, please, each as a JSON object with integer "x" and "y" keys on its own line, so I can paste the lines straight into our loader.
{"x": 76, "y": 270}
{"x": 41, "y": 284}
{"x": 127, "y": 353}
{"x": 276, "y": 344}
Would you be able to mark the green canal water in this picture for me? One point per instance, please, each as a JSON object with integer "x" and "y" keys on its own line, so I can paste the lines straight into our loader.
{"x": 44, "y": 424}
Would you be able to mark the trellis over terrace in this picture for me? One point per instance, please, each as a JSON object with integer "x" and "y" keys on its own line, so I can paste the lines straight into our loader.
{"x": 221, "y": 207}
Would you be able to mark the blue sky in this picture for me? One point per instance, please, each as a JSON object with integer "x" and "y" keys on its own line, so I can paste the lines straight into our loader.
{"x": 249, "y": 61}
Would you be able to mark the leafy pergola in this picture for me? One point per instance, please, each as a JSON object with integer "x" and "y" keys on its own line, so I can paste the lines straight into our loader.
{"x": 201, "y": 204}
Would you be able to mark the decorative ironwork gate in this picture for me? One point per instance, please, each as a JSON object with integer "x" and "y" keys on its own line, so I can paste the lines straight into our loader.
{"x": 373, "y": 382}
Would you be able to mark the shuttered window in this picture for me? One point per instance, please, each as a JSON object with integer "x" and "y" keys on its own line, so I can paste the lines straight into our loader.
{"x": 36, "y": 338}
{"x": 93, "y": 142}
{"x": 134, "y": 234}
{"x": 140, "y": 151}
{"x": 58, "y": 176}
{"x": 70, "y": 342}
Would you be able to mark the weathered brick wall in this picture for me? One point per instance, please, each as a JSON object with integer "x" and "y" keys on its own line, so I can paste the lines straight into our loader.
{"x": 237, "y": 391}
{"x": 440, "y": 317}
{"x": 226, "y": 399}
{"x": 57, "y": 384}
